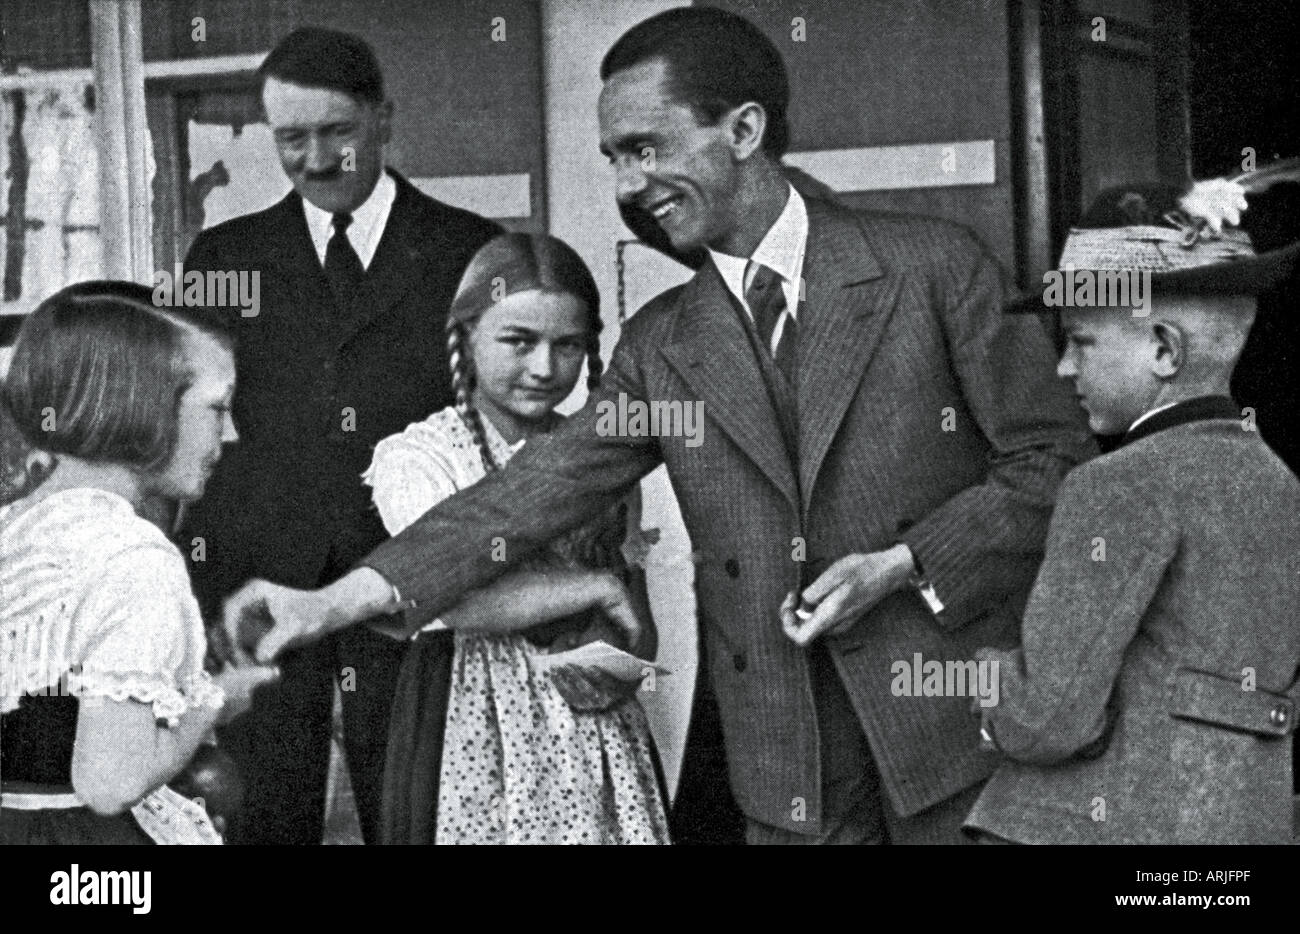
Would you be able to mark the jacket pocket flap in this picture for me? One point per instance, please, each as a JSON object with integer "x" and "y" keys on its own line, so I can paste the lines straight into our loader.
{"x": 1220, "y": 701}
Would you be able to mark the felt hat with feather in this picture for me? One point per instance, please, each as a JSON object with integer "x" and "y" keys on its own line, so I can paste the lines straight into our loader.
{"x": 1187, "y": 238}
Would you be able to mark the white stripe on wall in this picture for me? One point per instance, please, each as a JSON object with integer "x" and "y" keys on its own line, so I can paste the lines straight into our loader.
{"x": 488, "y": 195}
{"x": 886, "y": 168}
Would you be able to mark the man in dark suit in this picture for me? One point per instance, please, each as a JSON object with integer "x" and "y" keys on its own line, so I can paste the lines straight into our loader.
{"x": 878, "y": 439}
{"x": 357, "y": 270}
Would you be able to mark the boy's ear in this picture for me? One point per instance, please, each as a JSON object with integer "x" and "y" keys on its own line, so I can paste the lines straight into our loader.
{"x": 1170, "y": 349}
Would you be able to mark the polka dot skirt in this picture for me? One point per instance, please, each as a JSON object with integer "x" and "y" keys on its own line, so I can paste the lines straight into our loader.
{"x": 521, "y": 767}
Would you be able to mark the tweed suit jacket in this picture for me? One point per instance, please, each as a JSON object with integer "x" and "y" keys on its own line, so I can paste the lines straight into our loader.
{"x": 1197, "y": 595}
{"x": 287, "y": 503}
{"x": 902, "y": 328}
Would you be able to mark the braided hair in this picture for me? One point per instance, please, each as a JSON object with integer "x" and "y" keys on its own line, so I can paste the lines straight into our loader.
{"x": 505, "y": 265}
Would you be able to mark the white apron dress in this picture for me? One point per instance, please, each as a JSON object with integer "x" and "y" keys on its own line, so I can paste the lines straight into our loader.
{"x": 519, "y": 765}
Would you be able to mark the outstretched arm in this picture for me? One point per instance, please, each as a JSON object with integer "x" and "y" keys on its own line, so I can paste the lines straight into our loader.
{"x": 523, "y": 599}
{"x": 554, "y": 484}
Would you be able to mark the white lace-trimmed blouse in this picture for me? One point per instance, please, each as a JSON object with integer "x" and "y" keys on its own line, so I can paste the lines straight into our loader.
{"x": 95, "y": 593}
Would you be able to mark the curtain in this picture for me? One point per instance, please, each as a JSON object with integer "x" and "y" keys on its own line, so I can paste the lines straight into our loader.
{"x": 51, "y": 192}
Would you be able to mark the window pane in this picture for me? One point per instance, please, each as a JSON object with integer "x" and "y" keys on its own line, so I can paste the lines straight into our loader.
{"x": 45, "y": 35}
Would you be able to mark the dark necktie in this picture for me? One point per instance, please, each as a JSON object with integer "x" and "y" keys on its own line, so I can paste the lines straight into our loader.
{"x": 342, "y": 265}
{"x": 765, "y": 297}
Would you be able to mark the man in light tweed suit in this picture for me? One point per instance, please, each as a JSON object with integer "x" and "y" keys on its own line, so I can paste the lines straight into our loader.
{"x": 1157, "y": 682}
{"x": 877, "y": 435}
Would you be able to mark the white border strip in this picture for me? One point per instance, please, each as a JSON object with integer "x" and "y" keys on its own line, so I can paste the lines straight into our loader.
{"x": 889, "y": 168}
{"x": 488, "y": 195}
{"x": 177, "y": 68}
{"x": 214, "y": 65}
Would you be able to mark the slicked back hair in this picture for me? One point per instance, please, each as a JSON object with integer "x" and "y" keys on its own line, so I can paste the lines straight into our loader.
{"x": 312, "y": 57}
{"x": 715, "y": 62}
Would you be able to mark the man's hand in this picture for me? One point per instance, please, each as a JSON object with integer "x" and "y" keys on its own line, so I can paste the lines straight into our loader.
{"x": 846, "y": 590}
{"x": 616, "y": 609}
{"x": 263, "y": 619}
{"x": 289, "y": 617}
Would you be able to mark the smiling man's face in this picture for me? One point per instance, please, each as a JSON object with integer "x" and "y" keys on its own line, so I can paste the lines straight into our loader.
{"x": 667, "y": 163}
{"x": 331, "y": 144}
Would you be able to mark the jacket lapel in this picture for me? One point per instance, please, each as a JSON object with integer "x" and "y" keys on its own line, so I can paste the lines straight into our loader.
{"x": 710, "y": 351}
{"x": 294, "y": 255}
{"x": 404, "y": 254}
{"x": 848, "y": 302}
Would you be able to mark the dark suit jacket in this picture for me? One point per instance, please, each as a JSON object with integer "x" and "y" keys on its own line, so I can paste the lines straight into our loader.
{"x": 1200, "y": 583}
{"x": 902, "y": 326}
{"x": 287, "y": 502}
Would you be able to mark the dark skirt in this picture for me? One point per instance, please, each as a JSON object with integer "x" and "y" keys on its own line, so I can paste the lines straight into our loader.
{"x": 415, "y": 736}
{"x": 68, "y": 827}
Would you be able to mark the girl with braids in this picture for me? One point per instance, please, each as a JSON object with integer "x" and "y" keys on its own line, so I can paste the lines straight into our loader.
{"x": 488, "y": 749}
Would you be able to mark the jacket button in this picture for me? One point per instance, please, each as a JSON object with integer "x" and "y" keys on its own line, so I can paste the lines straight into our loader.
{"x": 733, "y": 567}
{"x": 739, "y": 662}
{"x": 1278, "y": 715}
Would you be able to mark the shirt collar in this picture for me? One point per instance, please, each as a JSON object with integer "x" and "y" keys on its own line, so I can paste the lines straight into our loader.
{"x": 496, "y": 439}
{"x": 781, "y": 249}
{"x": 1145, "y": 415}
{"x": 368, "y": 221}
{"x": 1198, "y": 409}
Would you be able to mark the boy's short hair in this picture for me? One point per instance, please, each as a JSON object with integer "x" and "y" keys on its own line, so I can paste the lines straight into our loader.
{"x": 1216, "y": 328}
{"x": 715, "y": 61}
{"x": 325, "y": 58}
{"x": 98, "y": 373}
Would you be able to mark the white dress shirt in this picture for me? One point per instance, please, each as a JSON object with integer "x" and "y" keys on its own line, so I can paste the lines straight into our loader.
{"x": 782, "y": 250}
{"x": 368, "y": 222}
